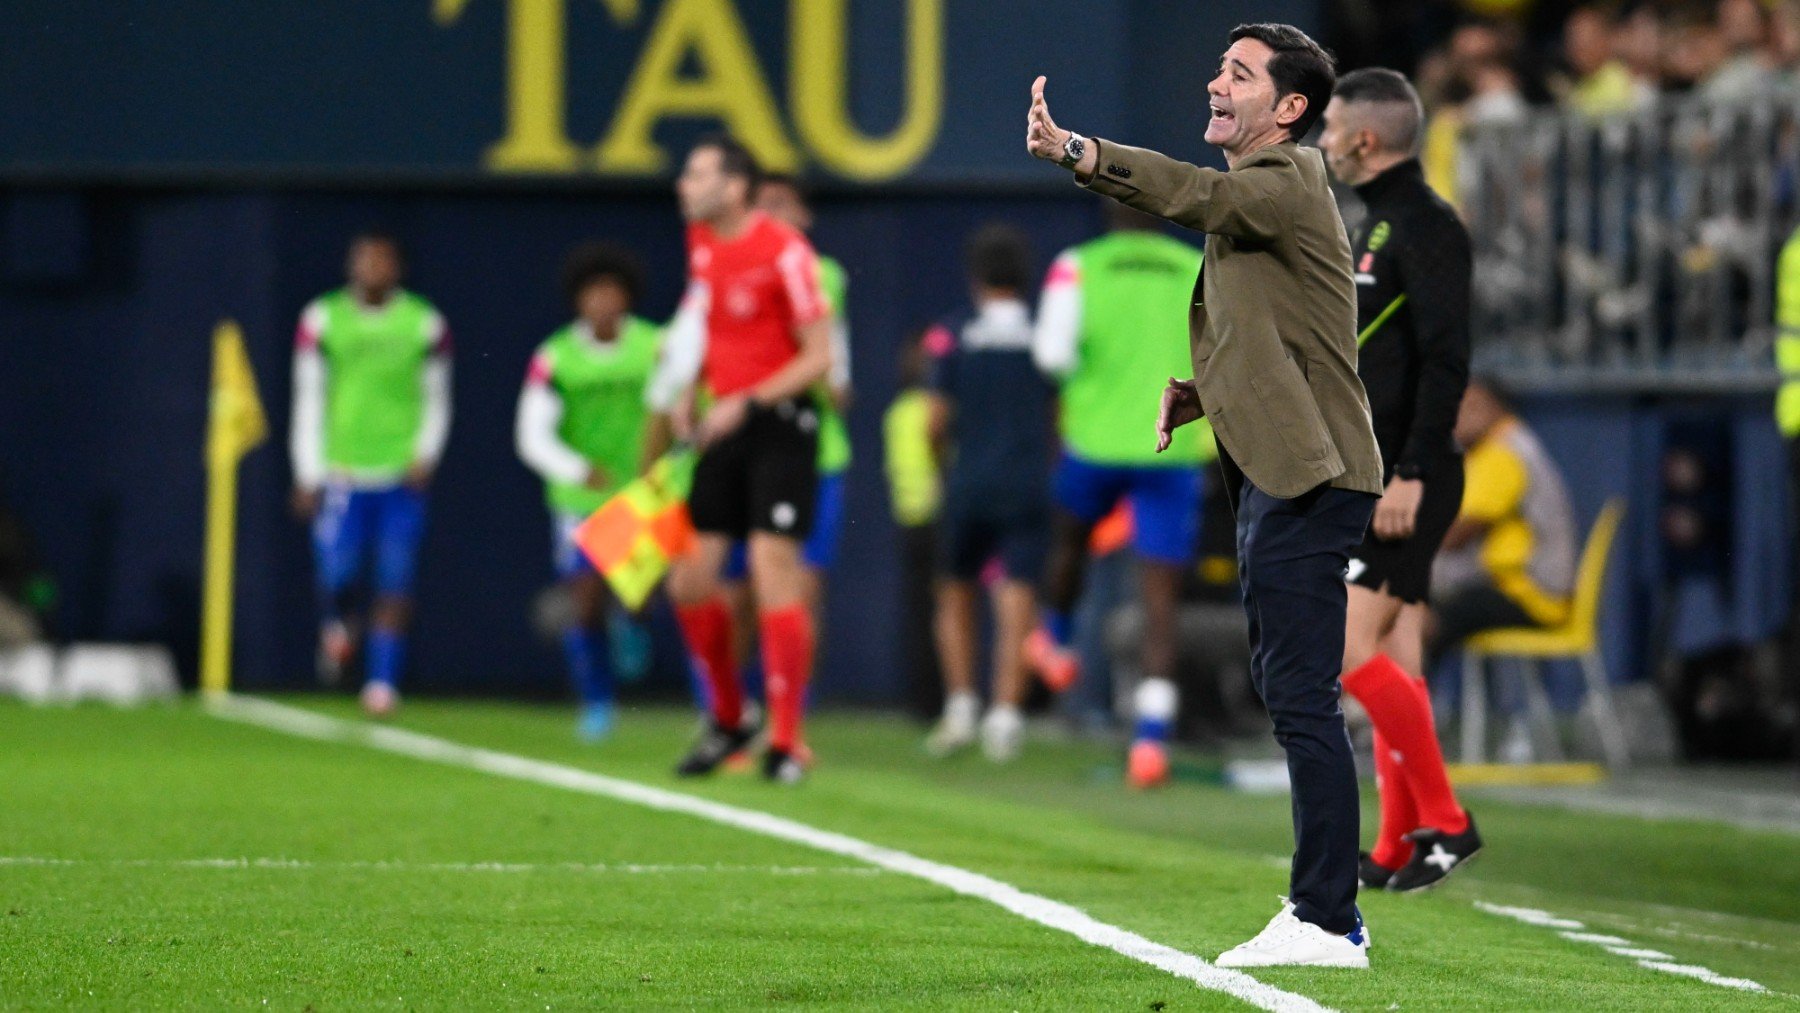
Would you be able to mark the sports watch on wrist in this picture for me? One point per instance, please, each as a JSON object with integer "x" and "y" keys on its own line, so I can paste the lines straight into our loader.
{"x": 1073, "y": 149}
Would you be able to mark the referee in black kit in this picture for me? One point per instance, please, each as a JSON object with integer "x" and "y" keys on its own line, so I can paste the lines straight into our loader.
{"x": 1412, "y": 270}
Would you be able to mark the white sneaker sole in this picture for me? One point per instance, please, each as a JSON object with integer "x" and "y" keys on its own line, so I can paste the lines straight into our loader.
{"x": 1357, "y": 962}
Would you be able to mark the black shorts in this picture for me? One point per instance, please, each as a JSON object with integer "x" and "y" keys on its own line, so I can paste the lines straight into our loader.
{"x": 1477, "y": 608}
{"x": 974, "y": 533}
{"x": 763, "y": 477}
{"x": 1403, "y": 568}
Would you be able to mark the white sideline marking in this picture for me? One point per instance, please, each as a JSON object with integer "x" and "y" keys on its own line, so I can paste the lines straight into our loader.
{"x": 1042, "y": 910}
{"x": 628, "y": 868}
{"x": 1653, "y": 960}
{"x": 1596, "y": 938}
{"x": 1704, "y": 974}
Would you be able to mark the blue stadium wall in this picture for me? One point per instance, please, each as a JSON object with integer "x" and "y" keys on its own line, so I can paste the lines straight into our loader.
{"x": 127, "y": 231}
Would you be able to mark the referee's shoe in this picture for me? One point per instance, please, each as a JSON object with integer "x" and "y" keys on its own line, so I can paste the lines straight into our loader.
{"x": 1436, "y": 854}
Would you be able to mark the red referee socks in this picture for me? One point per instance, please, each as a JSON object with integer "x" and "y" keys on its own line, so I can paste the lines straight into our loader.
{"x": 787, "y": 644}
{"x": 1399, "y": 814}
{"x": 707, "y": 629}
{"x": 1407, "y": 757}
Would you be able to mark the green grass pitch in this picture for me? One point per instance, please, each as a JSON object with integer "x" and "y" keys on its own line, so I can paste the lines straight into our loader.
{"x": 166, "y": 858}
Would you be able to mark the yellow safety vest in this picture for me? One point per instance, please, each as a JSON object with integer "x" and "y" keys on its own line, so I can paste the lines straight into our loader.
{"x": 1787, "y": 337}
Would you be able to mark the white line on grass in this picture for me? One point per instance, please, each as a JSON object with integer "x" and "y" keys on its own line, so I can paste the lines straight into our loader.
{"x": 1042, "y": 910}
{"x": 1651, "y": 959}
{"x": 627, "y": 868}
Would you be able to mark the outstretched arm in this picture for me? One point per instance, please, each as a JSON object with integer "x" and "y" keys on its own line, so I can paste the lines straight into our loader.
{"x": 1243, "y": 203}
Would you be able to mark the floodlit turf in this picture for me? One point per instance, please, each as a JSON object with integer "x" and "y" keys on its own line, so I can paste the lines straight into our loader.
{"x": 374, "y": 880}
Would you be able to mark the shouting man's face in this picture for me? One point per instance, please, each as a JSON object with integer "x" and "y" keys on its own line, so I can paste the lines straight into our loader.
{"x": 1245, "y": 112}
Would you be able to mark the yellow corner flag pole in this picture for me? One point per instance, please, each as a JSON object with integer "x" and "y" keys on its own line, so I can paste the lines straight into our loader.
{"x": 235, "y": 425}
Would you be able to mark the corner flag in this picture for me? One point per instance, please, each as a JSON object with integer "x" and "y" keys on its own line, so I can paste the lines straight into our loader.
{"x": 636, "y": 534}
{"x": 235, "y": 425}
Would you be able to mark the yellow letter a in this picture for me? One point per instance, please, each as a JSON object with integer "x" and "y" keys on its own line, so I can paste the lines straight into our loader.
{"x": 730, "y": 87}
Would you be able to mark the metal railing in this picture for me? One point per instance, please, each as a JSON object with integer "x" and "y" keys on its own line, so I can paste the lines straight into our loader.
{"x": 1636, "y": 251}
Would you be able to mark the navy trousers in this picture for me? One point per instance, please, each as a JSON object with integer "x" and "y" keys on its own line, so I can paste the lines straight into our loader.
{"x": 1292, "y": 554}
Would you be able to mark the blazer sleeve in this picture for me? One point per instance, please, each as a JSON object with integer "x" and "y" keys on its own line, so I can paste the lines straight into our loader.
{"x": 1244, "y": 203}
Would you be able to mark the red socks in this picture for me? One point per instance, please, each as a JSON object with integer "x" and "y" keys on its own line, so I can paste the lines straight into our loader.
{"x": 787, "y": 643}
{"x": 1398, "y": 813}
{"x": 707, "y": 629}
{"x": 1407, "y": 757}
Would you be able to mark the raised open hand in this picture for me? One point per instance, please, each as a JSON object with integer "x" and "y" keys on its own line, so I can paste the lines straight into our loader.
{"x": 1043, "y": 138}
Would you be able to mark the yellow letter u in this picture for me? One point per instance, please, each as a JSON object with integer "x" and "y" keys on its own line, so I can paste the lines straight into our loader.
{"x": 819, "y": 85}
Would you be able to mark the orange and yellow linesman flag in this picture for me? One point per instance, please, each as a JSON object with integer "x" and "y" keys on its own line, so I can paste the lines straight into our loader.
{"x": 235, "y": 425}
{"x": 636, "y": 534}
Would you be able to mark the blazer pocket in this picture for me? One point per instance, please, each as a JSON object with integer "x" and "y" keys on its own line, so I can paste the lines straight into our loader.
{"x": 1224, "y": 431}
{"x": 1288, "y": 404}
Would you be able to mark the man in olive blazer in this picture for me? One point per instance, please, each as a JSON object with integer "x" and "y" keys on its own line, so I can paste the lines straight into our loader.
{"x": 1273, "y": 337}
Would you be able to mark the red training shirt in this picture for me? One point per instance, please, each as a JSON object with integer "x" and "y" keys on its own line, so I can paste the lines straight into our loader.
{"x": 759, "y": 288}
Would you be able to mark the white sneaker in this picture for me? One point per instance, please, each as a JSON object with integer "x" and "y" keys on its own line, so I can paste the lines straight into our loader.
{"x": 1289, "y": 942}
{"x": 955, "y": 731}
{"x": 379, "y": 699}
{"x": 1002, "y": 734}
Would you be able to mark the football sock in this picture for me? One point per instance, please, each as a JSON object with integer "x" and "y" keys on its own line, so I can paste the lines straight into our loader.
{"x": 387, "y": 652}
{"x": 1061, "y": 626}
{"x": 707, "y": 629}
{"x": 590, "y": 665}
{"x": 1154, "y": 706}
{"x": 1400, "y": 708}
{"x": 1399, "y": 816}
{"x": 787, "y": 643}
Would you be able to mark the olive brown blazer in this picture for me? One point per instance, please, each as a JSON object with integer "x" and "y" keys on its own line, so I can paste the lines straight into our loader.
{"x": 1272, "y": 328}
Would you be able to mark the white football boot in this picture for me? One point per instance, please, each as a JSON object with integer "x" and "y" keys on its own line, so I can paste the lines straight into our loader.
{"x": 379, "y": 700}
{"x": 955, "y": 731}
{"x": 1002, "y": 734}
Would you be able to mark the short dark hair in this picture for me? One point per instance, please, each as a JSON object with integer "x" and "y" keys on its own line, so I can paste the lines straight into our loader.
{"x": 999, "y": 256}
{"x": 1375, "y": 84}
{"x": 591, "y": 262}
{"x": 1300, "y": 66}
{"x": 790, "y": 181}
{"x": 734, "y": 159}
{"x": 1384, "y": 87}
{"x": 382, "y": 236}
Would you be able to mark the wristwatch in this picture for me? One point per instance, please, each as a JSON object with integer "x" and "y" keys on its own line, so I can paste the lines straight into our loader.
{"x": 1073, "y": 149}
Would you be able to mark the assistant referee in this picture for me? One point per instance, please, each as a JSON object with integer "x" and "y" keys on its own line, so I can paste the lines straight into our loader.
{"x": 1412, "y": 270}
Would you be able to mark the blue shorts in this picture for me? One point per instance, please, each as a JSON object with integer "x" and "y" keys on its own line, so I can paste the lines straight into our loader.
{"x": 352, "y": 521}
{"x": 1165, "y": 502}
{"x": 821, "y": 548}
{"x": 565, "y": 555}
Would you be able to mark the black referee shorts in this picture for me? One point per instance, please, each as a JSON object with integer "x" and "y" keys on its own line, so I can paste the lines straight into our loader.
{"x": 1402, "y": 568}
{"x": 763, "y": 477}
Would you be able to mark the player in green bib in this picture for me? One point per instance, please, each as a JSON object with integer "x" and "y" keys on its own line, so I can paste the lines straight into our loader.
{"x": 1113, "y": 320}
{"x": 581, "y": 426}
{"x": 371, "y": 416}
